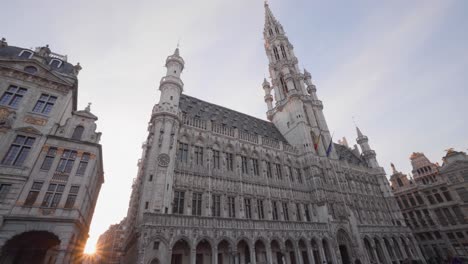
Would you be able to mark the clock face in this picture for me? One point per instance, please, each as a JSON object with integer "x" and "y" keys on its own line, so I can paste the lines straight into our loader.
{"x": 163, "y": 160}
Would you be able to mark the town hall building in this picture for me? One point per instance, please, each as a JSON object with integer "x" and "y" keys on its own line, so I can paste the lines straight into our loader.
{"x": 218, "y": 186}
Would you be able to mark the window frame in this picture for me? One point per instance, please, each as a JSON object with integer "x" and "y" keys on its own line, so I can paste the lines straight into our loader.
{"x": 18, "y": 151}
{"x": 44, "y": 106}
{"x": 11, "y": 98}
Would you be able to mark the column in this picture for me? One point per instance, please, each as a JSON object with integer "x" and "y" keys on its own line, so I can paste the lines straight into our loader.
{"x": 287, "y": 257}
{"x": 297, "y": 253}
{"x": 374, "y": 251}
{"x": 269, "y": 253}
{"x": 402, "y": 250}
{"x": 193, "y": 256}
{"x": 214, "y": 255}
{"x": 323, "y": 258}
{"x": 253, "y": 255}
{"x": 414, "y": 244}
{"x": 310, "y": 253}
{"x": 60, "y": 258}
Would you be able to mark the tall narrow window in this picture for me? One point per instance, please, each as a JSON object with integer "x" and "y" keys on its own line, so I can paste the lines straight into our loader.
{"x": 268, "y": 169}
{"x": 83, "y": 164}
{"x": 216, "y": 208}
{"x": 12, "y": 96}
{"x": 285, "y": 211}
{"x": 299, "y": 175}
{"x": 261, "y": 214}
{"x": 256, "y": 171}
{"x": 279, "y": 172}
{"x": 248, "y": 208}
{"x": 53, "y": 195}
{"x": 307, "y": 212}
{"x": 78, "y": 132}
{"x": 275, "y": 51}
{"x": 178, "y": 206}
{"x": 182, "y": 153}
{"x": 244, "y": 165}
{"x": 66, "y": 161}
{"x": 196, "y": 203}
{"x": 290, "y": 172}
{"x": 216, "y": 163}
{"x": 232, "y": 206}
{"x": 33, "y": 193}
{"x": 4, "y": 190}
{"x": 49, "y": 158}
{"x": 283, "y": 51}
{"x": 198, "y": 155}
{"x": 18, "y": 151}
{"x": 44, "y": 104}
{"x": 284, "y": 86}
{"x": 72, "y": 194}
{"x": 271, "y": 32}
{"x": 276, "y": 29}
{"x": 275, "y": 210}
{"x": 229, "y": 162}
{"x": 298, "y": 212}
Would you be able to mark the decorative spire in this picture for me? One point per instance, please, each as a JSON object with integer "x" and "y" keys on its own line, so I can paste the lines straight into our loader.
{"x": 88, "y": 108}
{"x": 266, "y": 83}
{"x": 393, "y": 168}
{"x": 359, "y": 133}
{"x": 269, "y": 17}
{"x": 176, "y": 52}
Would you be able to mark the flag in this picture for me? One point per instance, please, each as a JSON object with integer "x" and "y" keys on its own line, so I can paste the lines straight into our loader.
{"x": 317, "y": 141}
{"x": 330, "y": 146}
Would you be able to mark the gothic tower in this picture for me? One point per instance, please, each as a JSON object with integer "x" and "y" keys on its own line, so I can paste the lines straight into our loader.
{"x": 297, "y": 113}
{"x": 160, "y": 146}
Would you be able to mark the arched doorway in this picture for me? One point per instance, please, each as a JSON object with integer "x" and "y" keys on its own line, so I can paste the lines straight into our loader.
{"x": 344, "y": 245}
{"x": 260, "y": 252}
{"x": 315, "y": 251}
{"x": 224, "y": 252}
{"x": 243, "y": 252}
{"x": 180, "y": 252}
{"x": 290, "y": 251}
{"x": 369, "y": 250}
{"x": 30, "y": 247}
{"x": 277, "y": 255}
{"x": 379, "y": 250}
{"x": 303, "y": 251}
{"x": 155, "y": 261}
{"x": 204, "y": 253}
{"x": 326, "y": 249}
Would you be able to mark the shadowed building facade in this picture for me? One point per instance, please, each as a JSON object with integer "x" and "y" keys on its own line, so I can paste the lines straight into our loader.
{"x": 50, "y": 158}
{"x": 434, "y": 203}
{"x": 218, "y": 186}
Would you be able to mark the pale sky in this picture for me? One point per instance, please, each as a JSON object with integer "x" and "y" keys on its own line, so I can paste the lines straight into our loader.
{"x": 398, "y": 67}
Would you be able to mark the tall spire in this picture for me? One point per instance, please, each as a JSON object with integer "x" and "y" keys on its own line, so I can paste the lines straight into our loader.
{"x": 269, "y": 17}
{"x": 359, "y": 133}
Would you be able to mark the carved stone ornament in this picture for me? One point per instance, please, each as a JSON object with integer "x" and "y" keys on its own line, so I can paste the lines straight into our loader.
{"x": 35, "y": 120}
{"x": 7, "y": 118}
{"x": 163, "y": 160}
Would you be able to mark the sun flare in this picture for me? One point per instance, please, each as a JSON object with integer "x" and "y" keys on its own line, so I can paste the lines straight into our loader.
{"x": 90, "y": 248}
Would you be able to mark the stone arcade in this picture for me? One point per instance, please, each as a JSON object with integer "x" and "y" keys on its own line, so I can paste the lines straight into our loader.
{"x": 218, "y": 186}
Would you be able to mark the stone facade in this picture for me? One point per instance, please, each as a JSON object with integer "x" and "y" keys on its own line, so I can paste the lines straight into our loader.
{"x": 434, "y": 203}
{"x": 110, "y": 244}
{"x": 51, "y": 160}
{"x": 218, "y": 186}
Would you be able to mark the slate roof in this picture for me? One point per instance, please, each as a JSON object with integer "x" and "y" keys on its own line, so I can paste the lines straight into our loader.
{"x": 12, "y": 52}
{"x": 196, "y": 108}
{"x": 344, "y": 153}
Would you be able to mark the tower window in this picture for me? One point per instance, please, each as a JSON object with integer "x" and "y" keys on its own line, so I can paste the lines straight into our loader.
{"x": 283, "y": 51}
{"x": 276, "y": 29}
{"x": 271, "y": 32}
{"x": 275, "y": 50}
{"x": 284, "y": 86}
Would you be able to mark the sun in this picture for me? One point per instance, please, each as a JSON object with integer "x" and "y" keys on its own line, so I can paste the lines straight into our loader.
{"x": 90, "y": 248}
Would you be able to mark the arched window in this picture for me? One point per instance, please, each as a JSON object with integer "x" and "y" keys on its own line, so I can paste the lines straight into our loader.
{"x": 25, "y": 54}
{"x": 78, "y": 132}
{"x": 275, "y": 50}
{"x": 271, "y": 32}
{"x": 276, "y": 29}
{"x": 400, "y": 183}
{"x": 283, "y": 51}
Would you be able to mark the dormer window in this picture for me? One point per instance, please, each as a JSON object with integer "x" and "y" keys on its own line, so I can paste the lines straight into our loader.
{"x": 55, "y": 63}
{"x": 78, "y": 132}
{"x": 25, "y": 54}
